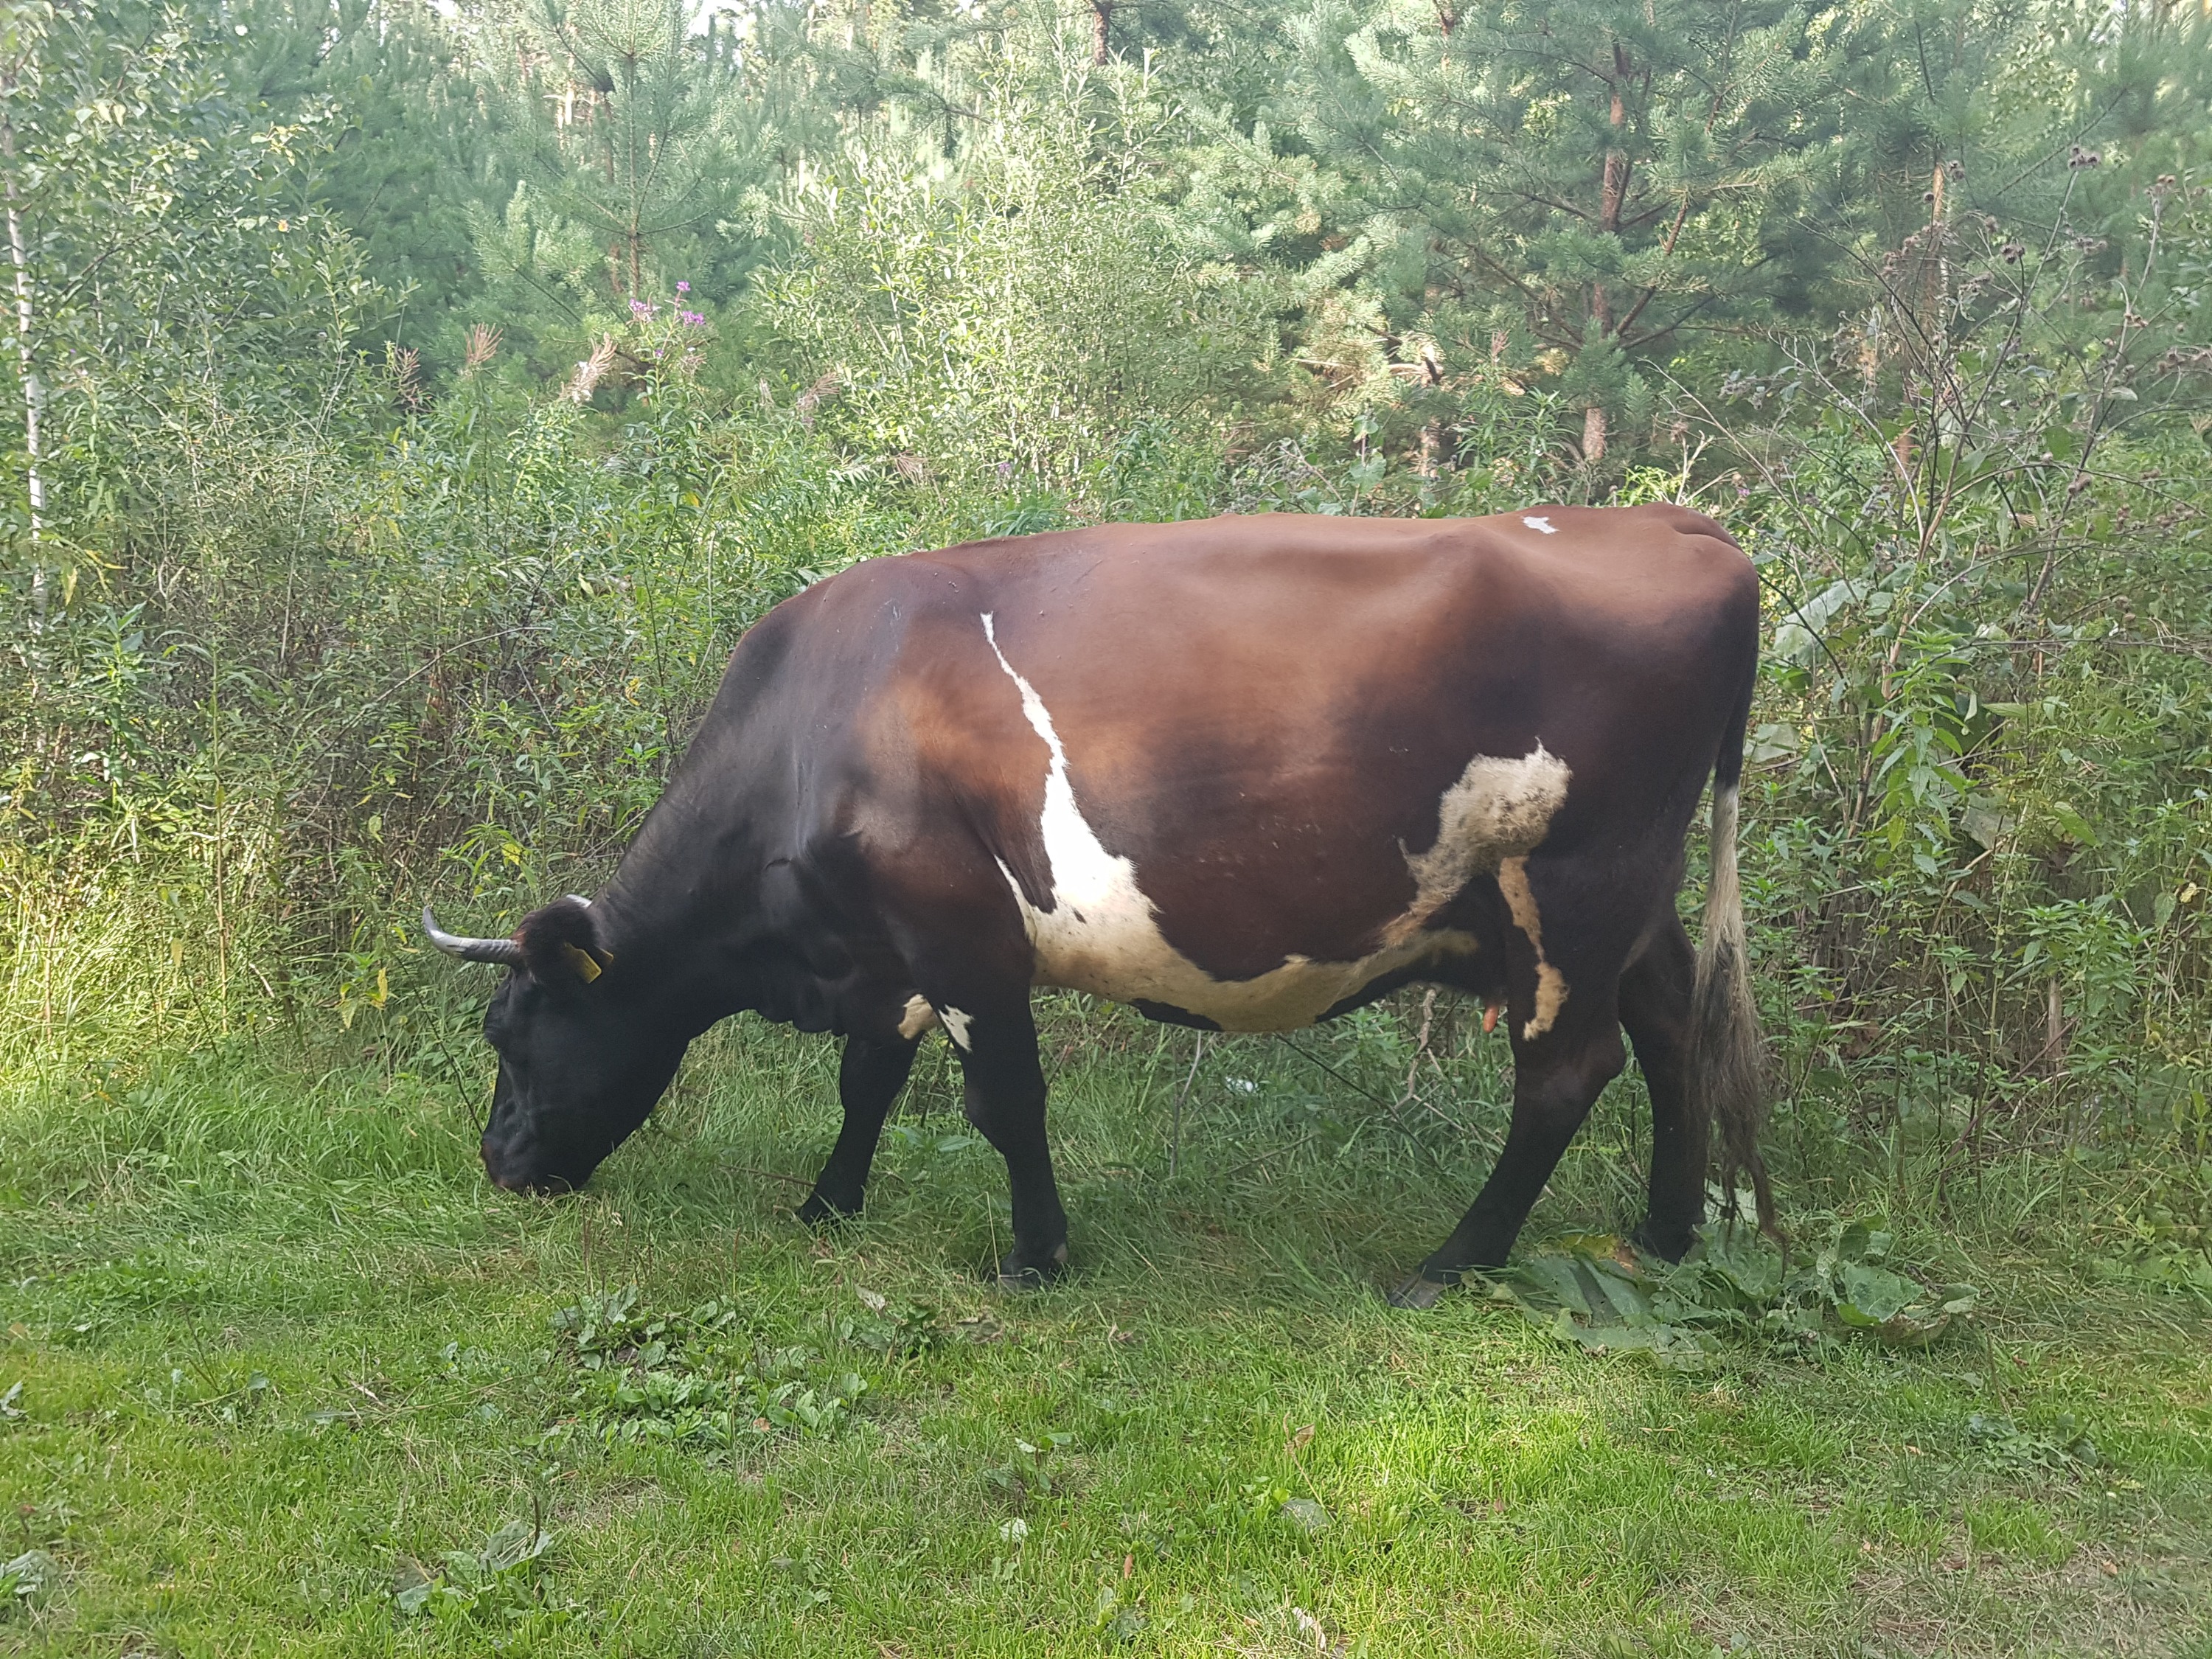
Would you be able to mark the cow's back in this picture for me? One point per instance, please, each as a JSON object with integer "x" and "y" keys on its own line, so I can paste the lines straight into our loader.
{"x": 1231, "y": 744}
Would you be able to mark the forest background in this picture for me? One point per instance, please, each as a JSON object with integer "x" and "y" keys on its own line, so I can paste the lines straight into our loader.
{"x": 411, "y": 406}
{"x": 417, "y": 403}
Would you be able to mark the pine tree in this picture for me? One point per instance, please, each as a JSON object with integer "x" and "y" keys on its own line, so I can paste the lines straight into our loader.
{"x": 643, "y": 151}
{"x": 409, "y": 151}
{"x": 1576, "y": 187}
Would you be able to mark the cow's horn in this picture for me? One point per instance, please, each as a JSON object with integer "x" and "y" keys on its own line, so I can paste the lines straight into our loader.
{"x": 504, "y": 951}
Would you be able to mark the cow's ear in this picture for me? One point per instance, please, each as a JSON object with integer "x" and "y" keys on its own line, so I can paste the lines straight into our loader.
{"x": 560, "y": 943}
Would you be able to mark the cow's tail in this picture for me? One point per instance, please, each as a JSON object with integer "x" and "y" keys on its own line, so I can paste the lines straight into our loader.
{"x": 1727, "y": 1055}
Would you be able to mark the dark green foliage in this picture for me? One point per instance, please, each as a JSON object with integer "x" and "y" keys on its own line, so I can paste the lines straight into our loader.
{"x": 1574, "y": 189}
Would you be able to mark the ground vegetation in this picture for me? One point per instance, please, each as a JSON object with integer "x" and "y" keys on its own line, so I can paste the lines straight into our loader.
{"x": 411, "y": 406}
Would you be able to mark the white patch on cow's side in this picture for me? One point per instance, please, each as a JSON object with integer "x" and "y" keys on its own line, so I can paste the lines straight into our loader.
{"x": 1102, "y": 935}
{"x": 1498, "y": 809}
{"x": 1536, "y": 521}
{"x": 1551, "y": 983}
{"x": 916, "y": 1017}
{"x": 956, "y": 1027}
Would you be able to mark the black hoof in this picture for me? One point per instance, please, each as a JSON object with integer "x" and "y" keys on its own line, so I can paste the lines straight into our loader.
{"x": 1668, "y": 1246}
{"x": 1017, "y": 1275}
{"x": 1421, "y": 1292}
{"x": 821, "y": 1214}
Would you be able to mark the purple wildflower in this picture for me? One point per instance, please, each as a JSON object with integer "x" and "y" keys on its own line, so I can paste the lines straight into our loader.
{"x": 684, "y": 287}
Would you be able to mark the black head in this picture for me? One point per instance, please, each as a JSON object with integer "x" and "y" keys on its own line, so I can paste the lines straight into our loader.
{"x": 582, "y": 1057}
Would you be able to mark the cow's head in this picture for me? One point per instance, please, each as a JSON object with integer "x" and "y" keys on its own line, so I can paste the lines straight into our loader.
{"x": 582, "y": 1056}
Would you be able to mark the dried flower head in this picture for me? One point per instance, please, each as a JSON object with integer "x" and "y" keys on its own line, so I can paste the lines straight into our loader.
{"x": 590, "y": 371}
{"x": 405, "y": 364}
{"x": 816, "y": 395}
{"x": 481, "y": 346}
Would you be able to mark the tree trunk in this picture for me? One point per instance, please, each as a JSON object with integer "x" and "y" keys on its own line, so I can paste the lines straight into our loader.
{"x": 1616, "y": 164}
{"x": 1612, "y": 190}
{"x": 1432, "y": 430}
{"x": 32, "y": 395}
{"x": 1102, "y": 20}
{"x": 1601, "y": 324}
{"x": 2054, "y": 1029}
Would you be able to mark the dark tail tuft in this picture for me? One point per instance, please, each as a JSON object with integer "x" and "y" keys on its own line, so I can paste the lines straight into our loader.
{"x": 1727, "y": 1055}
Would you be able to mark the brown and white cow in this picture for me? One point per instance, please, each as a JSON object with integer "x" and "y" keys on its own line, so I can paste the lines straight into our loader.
{"x": 1245, "y": 775}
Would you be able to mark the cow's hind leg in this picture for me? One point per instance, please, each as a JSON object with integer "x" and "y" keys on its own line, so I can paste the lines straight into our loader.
{"x": 1557, "y": 1078}
{"x": 1004, "y": 1098}
{"x": 869, "y": 1079}
{"x": 1655, "y": 1009}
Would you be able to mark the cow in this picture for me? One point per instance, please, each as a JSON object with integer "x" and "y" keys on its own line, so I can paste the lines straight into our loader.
{"x": 1243, "y": 773}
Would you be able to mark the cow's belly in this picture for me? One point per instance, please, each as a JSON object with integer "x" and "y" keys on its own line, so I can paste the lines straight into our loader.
{"x": 1110, "y": 957}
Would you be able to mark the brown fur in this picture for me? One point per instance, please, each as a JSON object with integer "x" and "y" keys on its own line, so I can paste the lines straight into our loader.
{"x": 1259, "y": 726}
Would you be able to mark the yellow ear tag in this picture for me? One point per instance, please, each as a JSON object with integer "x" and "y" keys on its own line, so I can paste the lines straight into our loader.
{"x": 586, "y": 967}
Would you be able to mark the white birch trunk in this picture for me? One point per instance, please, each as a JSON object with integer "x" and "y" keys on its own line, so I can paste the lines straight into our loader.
{"x": 31, "y": 397}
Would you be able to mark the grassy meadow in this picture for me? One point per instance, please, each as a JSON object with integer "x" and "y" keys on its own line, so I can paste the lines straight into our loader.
{"x": 412, "y": 406}
{"x": 284, "y": 1375}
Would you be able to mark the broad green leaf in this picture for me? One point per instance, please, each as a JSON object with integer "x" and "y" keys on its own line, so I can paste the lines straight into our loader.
{"x": 2073, "y": 824}
{"x": 1872, "y": 1295}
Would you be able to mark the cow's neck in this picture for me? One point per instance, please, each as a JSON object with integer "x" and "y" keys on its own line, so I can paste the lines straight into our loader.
{"x": 684, "y": 909}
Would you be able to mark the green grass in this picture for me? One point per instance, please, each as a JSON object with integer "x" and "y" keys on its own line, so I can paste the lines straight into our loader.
{"x": 282, "y": 1351}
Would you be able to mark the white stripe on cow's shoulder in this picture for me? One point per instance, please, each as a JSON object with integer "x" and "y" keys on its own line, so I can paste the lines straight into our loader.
{"x": 1102, "y": 933}
{"x": 916, "y": 1017}
{"x": 1537, "y": 521}
{"x": 955, "y": 1026}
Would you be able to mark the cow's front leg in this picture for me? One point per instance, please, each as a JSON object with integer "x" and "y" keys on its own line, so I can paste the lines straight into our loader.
{"x": 1004, "y": 1099}
{"x": 869, "y": 1078}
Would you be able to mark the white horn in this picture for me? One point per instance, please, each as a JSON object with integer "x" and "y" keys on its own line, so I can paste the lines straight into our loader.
{"x": 502, "y": 950}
